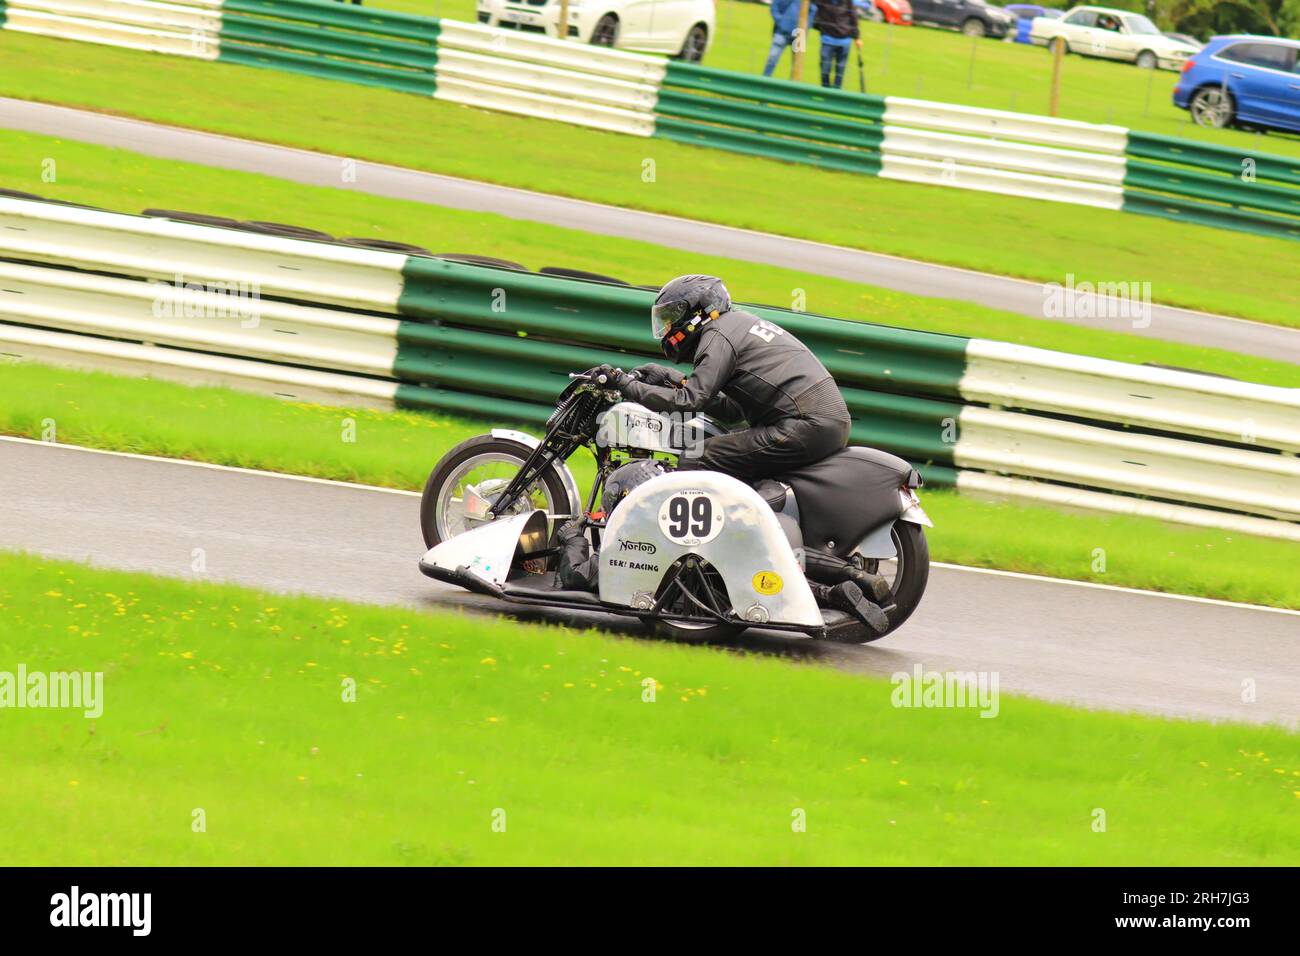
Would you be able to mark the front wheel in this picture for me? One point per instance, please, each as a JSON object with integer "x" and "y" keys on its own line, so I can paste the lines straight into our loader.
{"x": 974, "y": 28}
{"x": 1146, "y": 60}
{"x": 458, "y": 495}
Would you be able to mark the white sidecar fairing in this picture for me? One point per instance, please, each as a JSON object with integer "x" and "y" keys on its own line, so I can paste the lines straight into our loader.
{"x": 487, "y": 552}
{"x": 722, "y": 520}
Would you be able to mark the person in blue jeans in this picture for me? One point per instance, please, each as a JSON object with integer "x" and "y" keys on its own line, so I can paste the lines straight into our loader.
{"x": 837, "y": 22}
{"x": 785, "y": 21}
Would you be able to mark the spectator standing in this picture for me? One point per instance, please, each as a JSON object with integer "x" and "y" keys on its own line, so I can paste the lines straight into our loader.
{"x": 785, "y": 29}
{"x": 837, "y": 22}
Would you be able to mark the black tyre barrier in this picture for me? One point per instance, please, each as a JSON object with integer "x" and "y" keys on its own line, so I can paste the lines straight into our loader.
{"x": 181, "y": 215}
{"x": 19, "y": 194}
{"x": 285, "y": 229}
{"x": 579, "y": 274}
{"x": 473, "y": 260}
{"x": 386, "y": 245}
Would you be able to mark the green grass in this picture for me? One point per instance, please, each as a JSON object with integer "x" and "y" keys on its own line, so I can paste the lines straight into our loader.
{"x": 231, "y": 702}
{"x": 398, "y": 449}
{"x": 118, "y": 179}
{"x": 935, "y": 64}
{"x": 1187, "y": 265}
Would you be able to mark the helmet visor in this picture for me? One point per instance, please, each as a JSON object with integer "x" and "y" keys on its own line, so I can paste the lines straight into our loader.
{"x": 665, "y": 315}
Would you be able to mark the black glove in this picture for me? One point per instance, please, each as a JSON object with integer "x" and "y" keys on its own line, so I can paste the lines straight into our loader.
{"x": 573, "y": 528}
{"x": 615, "y": 378}
{"x": 653, "y": 374}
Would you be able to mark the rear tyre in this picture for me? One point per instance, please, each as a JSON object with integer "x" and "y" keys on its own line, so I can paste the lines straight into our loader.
{"x": 974, "y": 28}
{"x": 1146, "y": 60}
{"x": 1212, "y": 106}
{"x": 912, "y": 571}
{"x": 487, "y": 463}
{"x": 606, "y": 31}
{"x": 693, "y": 47}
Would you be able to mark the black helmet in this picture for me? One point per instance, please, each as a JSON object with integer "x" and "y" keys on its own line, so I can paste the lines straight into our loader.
{"x": 624, "y": 478}
{"x": 681, "y": 307}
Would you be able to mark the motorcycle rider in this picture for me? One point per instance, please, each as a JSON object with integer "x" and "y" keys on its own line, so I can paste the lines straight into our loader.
{"x": 752, "y": 370}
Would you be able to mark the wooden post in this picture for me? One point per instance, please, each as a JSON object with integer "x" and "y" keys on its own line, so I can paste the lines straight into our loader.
{"x": 562, "y": 31}
{"x": 800, "y": 42}
{"x": 1058, "y": 57}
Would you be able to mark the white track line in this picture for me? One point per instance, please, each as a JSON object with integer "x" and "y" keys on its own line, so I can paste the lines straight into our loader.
{"x": 1041, "y": 578}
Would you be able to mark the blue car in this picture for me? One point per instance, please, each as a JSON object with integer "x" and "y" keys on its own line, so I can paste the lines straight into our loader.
{"x": 1243, "y": 80}
{"x": 1025, "y": 13}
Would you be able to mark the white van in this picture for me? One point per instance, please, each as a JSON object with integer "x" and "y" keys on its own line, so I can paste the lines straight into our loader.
{"x": 682, "y": 28}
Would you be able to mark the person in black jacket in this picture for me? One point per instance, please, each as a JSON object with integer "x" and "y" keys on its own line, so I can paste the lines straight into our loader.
{"x": 749, "y": 369}
{"x": 837, "y": 22}
{"x": 746, "y": 369}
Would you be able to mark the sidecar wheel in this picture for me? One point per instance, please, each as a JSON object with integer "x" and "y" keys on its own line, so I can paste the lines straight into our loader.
{"x": 501, "y": 458}
{"x": 706, "y": 585}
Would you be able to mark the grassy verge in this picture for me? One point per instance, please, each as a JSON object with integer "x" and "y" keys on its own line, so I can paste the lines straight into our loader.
{"x": 1193, "y": 266}
{"x": 398, "y": 449}
{"x": 225, "y": 738}
{"x": 118, "y": 179}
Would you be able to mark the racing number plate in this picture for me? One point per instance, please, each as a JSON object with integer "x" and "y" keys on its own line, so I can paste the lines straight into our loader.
{"x": 690, "y": 518}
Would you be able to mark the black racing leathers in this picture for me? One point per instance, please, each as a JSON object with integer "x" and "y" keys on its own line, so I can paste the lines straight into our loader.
{"x": 749, "y": 369}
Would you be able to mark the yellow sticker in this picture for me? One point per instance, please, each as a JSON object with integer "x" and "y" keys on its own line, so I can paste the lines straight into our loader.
{"x": 767, "y": 582}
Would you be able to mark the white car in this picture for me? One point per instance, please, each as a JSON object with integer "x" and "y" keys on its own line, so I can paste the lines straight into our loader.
{"x": 682, "y": 28}
{"x": 1113, "y": 35}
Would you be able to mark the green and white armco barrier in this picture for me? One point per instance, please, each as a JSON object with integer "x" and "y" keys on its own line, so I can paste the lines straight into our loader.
{"x": 327, "y": 321}
{"x": 938, "y": 144}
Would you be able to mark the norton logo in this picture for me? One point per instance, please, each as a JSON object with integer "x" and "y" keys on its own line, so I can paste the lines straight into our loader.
{"x": 102, "y": 909}
{"x": 645, "y": 547}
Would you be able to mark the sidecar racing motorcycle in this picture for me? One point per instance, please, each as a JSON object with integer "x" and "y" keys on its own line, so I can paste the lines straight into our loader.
{"x": 694, "y": 554}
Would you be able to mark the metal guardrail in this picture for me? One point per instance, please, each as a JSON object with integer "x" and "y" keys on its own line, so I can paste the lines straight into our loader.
{"x": 1013, "y": 154}
{"x": 335, "y": 322}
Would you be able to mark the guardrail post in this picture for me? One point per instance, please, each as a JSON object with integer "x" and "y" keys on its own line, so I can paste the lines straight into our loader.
{"x": 1058, "y": 57}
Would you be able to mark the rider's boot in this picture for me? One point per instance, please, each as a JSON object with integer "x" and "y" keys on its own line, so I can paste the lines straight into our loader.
{"x": 828, "y": 569}
{"x": 847, "y": 596}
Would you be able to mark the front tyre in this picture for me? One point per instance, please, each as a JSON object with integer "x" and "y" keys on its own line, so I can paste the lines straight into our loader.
{"x": 974, "y": 27}
{"x": 457, "y": 495}
{"x": 1146, "y": 60}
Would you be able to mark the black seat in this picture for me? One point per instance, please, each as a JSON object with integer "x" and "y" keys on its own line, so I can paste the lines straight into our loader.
{"x": 846, "y": 495}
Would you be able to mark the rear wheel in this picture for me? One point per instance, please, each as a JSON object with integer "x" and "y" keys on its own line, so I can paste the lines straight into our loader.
{"x": 877, "y": 15}
{"x": 697, "y": 40}
{"x": 458, "y": 494}
{"x": 606, "y": 31}
{"x": 1212, "y": 106}
{"x": 907, "y": 573}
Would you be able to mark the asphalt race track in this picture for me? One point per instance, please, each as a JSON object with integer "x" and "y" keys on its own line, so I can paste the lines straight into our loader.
{"x": 1095, "y": 646}
{"x": 905, "y": 275}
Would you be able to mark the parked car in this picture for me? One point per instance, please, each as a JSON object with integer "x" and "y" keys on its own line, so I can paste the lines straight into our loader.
{"x": 897, "y": 12}
{"x": 683, "y": 28}
{"x": 1025, "y": 13}
{"x": 1187, "y": 38}
{"x": 1113, "y": 35}
{"x": 972, "y": 17}
{"x": 1243, "y": 80}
